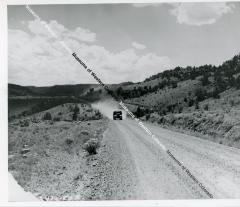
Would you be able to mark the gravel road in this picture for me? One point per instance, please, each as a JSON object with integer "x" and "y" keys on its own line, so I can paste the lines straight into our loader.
{"x": 150, "y": 173}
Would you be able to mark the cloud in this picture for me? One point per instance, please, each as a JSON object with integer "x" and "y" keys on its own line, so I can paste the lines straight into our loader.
{"x": 198, "y": 14}
{"x": 35, "y": 58}
{"x": 138, "y": 46}
{"x": 79, "y": 33}
{"x": 35, "y": 28}
{"x": 83, "y": 35}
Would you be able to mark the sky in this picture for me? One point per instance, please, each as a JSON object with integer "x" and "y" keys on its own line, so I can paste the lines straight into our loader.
{"x": 119, "y": 42}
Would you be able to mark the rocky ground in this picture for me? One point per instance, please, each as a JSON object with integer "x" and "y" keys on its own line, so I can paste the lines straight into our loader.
{"x": 219, "y": 127}
{"x": 113, "y": 176}
{"x": 95, "y": 158}
{"x": 54, "y": 158}
{"x": 217, "y": 120}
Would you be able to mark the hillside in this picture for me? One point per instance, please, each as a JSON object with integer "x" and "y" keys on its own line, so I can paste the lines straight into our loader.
{"x": 27, "y": 100}
{"x": 197, "y": 84}
{"x": 57, "y": 90}
{"x": 203, "y": 100}
{"x": 182, "y": 98}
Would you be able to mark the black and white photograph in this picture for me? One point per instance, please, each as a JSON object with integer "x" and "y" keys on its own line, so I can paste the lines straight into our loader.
{"x": 123, "y": 101}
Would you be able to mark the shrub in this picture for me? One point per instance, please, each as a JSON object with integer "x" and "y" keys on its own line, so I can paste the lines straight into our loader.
{"x": 190, "y": 103}
{"x": 215, "y": 94}
{"x": 98, "y": 114}
{"x": 238, "y": 82}
{"x": 75, "y": 113}
{"x": 206, "y": 107}
{"x": 139, "y": 112}
{"x": 147, "y": 117}
{"x": 205, "y": 80}
{"x": 56, "y": 118}
{"x": 25, "y": 151}
{"x": 68, "y": 141}
{"x": 24, "y": 123}
{"x": 74, "y": 117}
{"x": 180, "y": 109}
{"x": 200, "y": 94}
{"x": 35, "y": 120}
{"x": 84, "y": 132}
{"x": 196, "y": 105}
{"x": 25, "y": 113}
{"x": 76, "y": 109}
{"x": 91, "y": 146}
{"x": 232, "y": 103}
{"x": 47, "y": 116}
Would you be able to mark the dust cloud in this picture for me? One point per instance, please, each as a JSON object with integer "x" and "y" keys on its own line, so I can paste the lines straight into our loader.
{"x": 107, "y": 107}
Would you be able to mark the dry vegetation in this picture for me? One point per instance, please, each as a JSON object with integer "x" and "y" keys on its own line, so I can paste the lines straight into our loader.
{"x": 48, "y": 154}
{"x": 214, "y": 119}
{"x": 202, "y": 100}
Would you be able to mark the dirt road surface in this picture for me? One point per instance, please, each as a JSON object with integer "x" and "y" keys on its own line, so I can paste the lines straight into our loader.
{"x": 149, "y": 173}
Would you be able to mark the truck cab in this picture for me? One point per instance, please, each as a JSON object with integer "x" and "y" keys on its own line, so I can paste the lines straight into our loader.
{"x": 117, "y": 115}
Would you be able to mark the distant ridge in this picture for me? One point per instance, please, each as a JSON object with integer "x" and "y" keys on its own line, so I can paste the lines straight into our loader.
{"x": 57, "y": 90}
